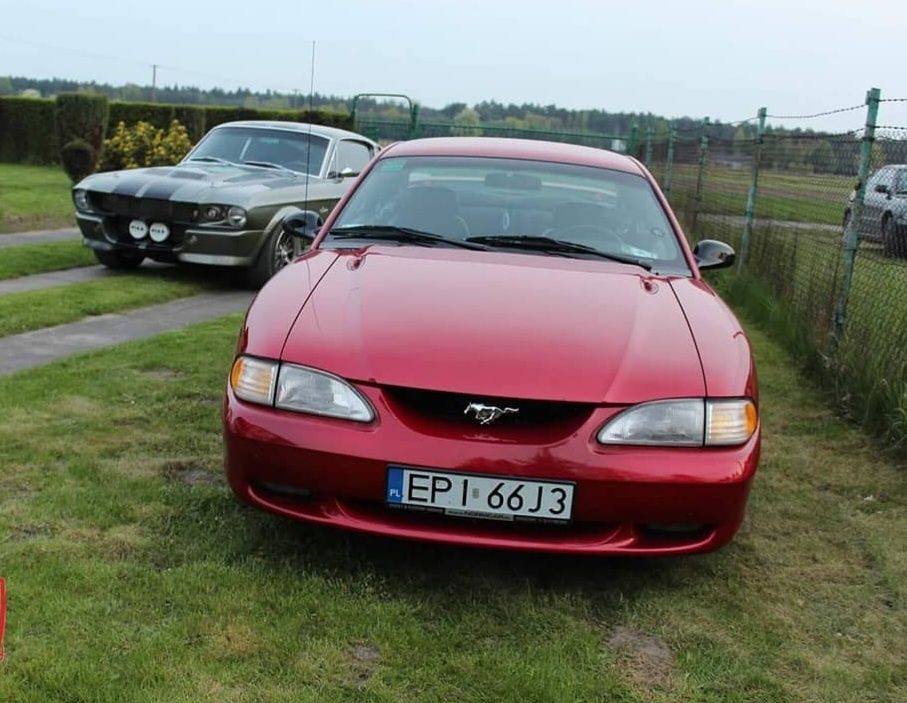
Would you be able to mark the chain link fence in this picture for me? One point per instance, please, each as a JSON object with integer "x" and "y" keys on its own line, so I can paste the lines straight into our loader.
{"x": 819, "y": 221}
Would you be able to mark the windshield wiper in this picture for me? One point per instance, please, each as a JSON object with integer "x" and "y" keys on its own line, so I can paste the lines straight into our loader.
{"x": 212, "y": 159}
{"x": 549, "y": 244}
{"x": 269, "y": 164}
{"x": 400, "y": 234}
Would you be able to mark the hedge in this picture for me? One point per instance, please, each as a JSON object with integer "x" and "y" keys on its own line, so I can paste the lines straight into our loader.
{"x": 27, "y": 131}
{"x": 80, "y": 120}
{"x": 27, "y": 124}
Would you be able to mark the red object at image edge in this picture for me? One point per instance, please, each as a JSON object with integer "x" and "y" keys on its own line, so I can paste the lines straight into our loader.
{"x": 2, "y": 614}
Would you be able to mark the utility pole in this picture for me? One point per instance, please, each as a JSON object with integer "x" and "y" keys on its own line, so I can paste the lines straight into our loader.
{"x": 154, "y": 82}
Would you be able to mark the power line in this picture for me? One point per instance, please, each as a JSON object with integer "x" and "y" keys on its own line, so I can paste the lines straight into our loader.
{"x": 137, "y": 62}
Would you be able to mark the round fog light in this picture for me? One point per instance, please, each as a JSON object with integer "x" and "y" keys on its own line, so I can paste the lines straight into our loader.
{"x": 137, "y": 229}
{"x": 159, "y": 232}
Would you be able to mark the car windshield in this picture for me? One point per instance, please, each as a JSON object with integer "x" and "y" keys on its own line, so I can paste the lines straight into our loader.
{"x": 265, "y": 148}
{"x": 509, "y": 204}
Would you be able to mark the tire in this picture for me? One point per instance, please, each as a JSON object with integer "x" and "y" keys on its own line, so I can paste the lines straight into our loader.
{"x": 278, "y": 251}
{"x": 893, "y": 238}
{"x": 118, "y": 260}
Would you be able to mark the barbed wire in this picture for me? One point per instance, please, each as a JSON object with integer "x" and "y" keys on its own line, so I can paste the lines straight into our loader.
{"x": 818, "y": 114}
{"x": 893, "y": 100}
{"x": 853, "y": 134}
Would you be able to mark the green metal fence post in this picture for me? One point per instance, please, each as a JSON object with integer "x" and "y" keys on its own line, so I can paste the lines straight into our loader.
{"x": 669, "y": 163}
{"x": 750, "y": 212}
{"x": 647, "y": 160}
{"x": 634, "y": 138}
{"x": 700, "y": 176}
{"x": 852, "y": 232}
{"x": 414, "y": 121}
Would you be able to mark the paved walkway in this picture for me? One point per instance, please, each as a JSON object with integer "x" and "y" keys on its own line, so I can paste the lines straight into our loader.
{"x": 30, "y": 349}
{"x": 40, "y": 237}
{"x": 52, "y": 279}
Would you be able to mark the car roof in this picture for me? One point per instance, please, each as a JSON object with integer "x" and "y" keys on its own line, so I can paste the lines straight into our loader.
{"x": 506, "y": 148}
{"x": 319, "y": 129}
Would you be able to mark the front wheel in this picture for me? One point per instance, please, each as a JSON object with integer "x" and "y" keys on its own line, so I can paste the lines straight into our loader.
{"x": 277, "y": 252}
{"x": 894, "y": 240}
{"x": 118, "y": 260}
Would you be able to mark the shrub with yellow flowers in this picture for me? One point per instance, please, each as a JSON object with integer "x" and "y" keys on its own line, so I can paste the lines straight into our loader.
{"x": 143, "y": 144}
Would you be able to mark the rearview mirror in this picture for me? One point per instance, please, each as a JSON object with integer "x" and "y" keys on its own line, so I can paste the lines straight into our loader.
{"x": 513, "y": 181}
{"x": 882, "y": 188}
{"x": 303, "y": 225}
{"x": 712, "y": 254}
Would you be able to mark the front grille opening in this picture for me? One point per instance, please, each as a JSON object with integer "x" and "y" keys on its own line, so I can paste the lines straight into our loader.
{"x": 443, "y": 409}
{"x": 284, "y": 490}
{"x": 675, "y": 532}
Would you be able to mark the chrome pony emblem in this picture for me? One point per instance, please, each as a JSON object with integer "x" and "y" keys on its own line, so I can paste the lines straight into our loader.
{"x": 486, "y": 414}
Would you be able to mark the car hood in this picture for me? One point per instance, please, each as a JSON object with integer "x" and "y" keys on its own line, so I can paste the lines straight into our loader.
{"x": 498, "y": 325}
{"x": 201, "y": 183}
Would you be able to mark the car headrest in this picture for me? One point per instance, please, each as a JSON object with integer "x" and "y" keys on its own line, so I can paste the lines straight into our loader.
{"x": 576, "y": 213}
{"x": 430, "y": 199}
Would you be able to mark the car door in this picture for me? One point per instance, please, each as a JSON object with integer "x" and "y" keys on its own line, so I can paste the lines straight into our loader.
{"x": 899, "y": 205}
{"x": 876, "y": 201}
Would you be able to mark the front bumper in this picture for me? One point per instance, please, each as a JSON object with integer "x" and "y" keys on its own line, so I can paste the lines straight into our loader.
{"x": 333, "y": 472}
{"x": 215, "y": 247}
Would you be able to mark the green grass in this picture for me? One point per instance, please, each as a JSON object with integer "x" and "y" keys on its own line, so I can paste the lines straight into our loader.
{"x": 34, "y": 197}
{"x": 781, "y": 196}
{"x": 40, "y": 258}
{"x": 132, "y": 575}
{"x": 31, "y": 310}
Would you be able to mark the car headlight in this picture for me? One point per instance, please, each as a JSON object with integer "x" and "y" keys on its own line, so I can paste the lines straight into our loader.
{"x": 309, "y": 391}
{"x": 236, "y": 216}
{"x": 80, "y": 198}
{"x": 297, "y": 388}
{"x": 212, "y": 213}
{"x": 692, "y": 422}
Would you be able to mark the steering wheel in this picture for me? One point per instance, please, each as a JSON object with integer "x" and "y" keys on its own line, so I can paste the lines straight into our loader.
{"x": 590, "y": 235}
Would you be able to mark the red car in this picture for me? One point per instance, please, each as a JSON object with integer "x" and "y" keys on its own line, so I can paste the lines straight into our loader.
{"x": 499, "y": 343}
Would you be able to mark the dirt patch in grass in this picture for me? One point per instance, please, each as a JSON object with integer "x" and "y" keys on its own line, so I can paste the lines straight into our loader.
{"x": 189, "y": 473}
{"x": 646, "y": 661}
{"x": 28, "y": 532}
{"x": 162, "y": 374}
{"x": 364, "y": 660}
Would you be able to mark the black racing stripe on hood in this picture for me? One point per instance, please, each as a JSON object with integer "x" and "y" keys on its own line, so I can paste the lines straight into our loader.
{"x": 130, "y": 185}
{"x": 162, "y": 189}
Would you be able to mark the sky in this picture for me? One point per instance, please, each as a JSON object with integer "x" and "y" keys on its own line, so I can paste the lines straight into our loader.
{"x": 722, "y": 59}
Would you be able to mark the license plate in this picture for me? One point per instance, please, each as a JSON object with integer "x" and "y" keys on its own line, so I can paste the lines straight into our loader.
{"x": 472, "y": 495}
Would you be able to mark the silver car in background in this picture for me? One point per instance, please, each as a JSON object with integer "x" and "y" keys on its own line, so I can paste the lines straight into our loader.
{"x": 884, "y": 216}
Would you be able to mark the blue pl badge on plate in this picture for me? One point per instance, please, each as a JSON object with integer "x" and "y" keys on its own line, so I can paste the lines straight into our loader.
{"x": 394, "y": 485}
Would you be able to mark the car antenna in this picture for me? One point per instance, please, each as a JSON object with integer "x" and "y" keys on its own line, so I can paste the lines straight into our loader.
{"x": 308, "y": 151}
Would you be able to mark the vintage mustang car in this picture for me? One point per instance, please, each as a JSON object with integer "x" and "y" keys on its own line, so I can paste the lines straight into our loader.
{"x": 499, "y": 343}
{"x": 223, "y": 204}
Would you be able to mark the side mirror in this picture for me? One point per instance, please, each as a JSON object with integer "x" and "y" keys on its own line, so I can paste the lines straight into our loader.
{"x": 882, "y": 188}
{"x": 302, "y": 225}
{"x": 711, "y": 254}
{"x": 345, "y": 173}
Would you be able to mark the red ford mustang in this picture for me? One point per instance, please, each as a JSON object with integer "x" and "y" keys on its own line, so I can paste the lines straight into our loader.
{"x": 499, "y": 343}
